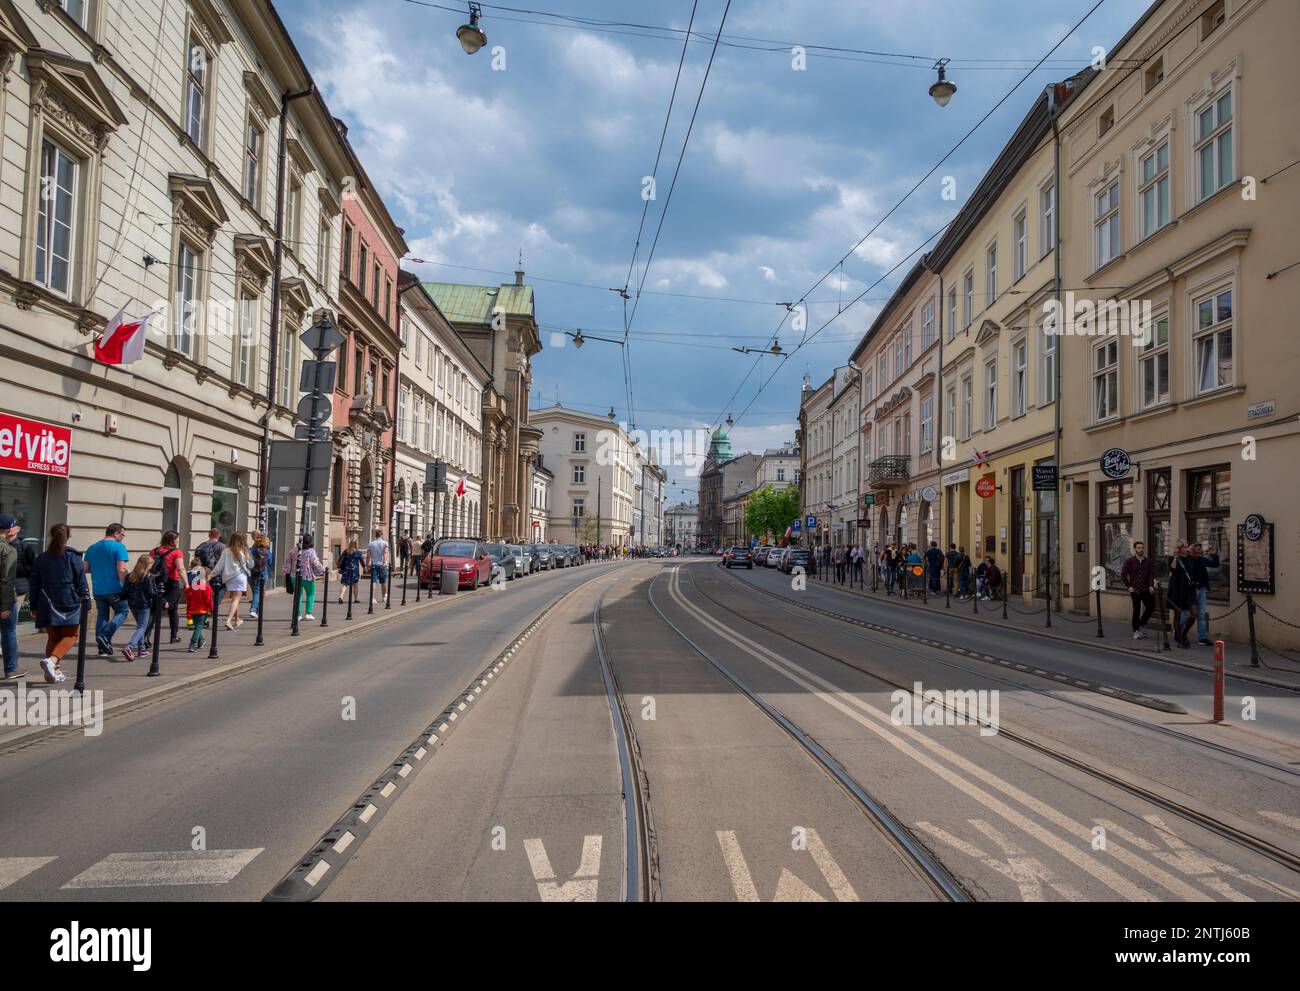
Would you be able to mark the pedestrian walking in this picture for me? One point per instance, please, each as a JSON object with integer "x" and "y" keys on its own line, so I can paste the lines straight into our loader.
{"x": 349, "y": 570}
{"x": 106, "y": 563}
{"x": 377, "y": 560}
{"x": 1138, "y": 574}
{"x": 934, "y": 560}
{"x": 232, "y": 571}
{"x": 261, "y": 571}
{"x": 58, "y": 590}
{"x": 139, "y": 590}
{"x": 210, "y": 550}
{"x": 9, "y": 551}
{"x": 1182, "y": 593}
{"x": 168, "y": 569}
{"x": 198, "y": 604}
{"x": 950, "y": 561}
{"x": 1201, "y": 564}
{"x": 837, "y": 557}
{"x": 963, "y": 574}
{"x": 304, "y": 566}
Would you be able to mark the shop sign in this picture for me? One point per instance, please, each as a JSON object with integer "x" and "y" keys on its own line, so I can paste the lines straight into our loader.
{"x": 929, "y": 493}
{"x": 985, "y": 488}
{"x": 34, "y": 447}
{"x": 956, "y": 477}
{"x": 1116, "y": 463}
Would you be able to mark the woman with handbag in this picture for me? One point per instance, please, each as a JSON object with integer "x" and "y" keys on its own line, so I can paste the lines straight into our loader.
{"x": 304, "y": 566}
{"x": 232, "y": 571}
{"x": 58, "y": 594}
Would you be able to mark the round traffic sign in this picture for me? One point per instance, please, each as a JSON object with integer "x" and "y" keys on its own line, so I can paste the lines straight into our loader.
{"x": 985, "y": 488}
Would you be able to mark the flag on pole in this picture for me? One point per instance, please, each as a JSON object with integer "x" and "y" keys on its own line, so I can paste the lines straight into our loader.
{"x": 122, "y": 342}
{"x": 460, "y": 488}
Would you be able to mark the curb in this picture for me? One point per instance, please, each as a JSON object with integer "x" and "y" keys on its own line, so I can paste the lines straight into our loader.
{"x": 1147, "y": 701}
{"x": 1233, "y": 671}
{"x": 314, "y": 871}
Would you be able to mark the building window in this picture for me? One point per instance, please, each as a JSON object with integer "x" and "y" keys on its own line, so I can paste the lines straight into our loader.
{"x": 196, "y": 78}
{"x": 1105, "y": 224}
{"x": 1209, "y": 504}
{"x": 952, "y": 312}
{"x": 293, "y": 216}
{"x": 76, "y": 9}
{"x": 780, "y": 474}
{"x": 579, "y": 508}
{"x": 428, "y": 427}
{"x": 186, "y": 329}
{"x": 1115, "y": 527}
{"x": 1153, "y": 190}
{"x": 868, "y": 386}
{"x": 927, "y": 325}
{"x": 323, "y": 247}
{"x": 1211, "y": 19}
{"x": 418, "y": 440}
{"x": 1047, "y": 207}
{"x": 288, "y": 367}
{"x": 898, "y": 355}
{"x": 1213, "y": 148}
{"x": 337, "y": 490}
{"x": 967, "y": 406}
{"x": 247, "y": 330}
{"x": 968, "y": 290}
{"x": 991, "y": 394}
{"x": 388, "y": 301}
{"x": 991, "y": 287}
{"x": 950, "y": 412}
{"x": 374, "y": 286}
{"x": 361, "y": 269}
{"x": 1212, "y": 342}
{"x": 1153, "y": 360}
{"x": 345, "y": 266}
{"x": 882, "y": 369}
{"x": 227, "y": 512}
{"x": 1155, "y": 74}
{"x": 253, "y": 164}
{"x": 1020, "y": 248}
{"x": 1019, "y": 378}
{"x": 1105, "y": 380}
{"x": 341, "y": 383}
{"x": 1159, "y": 537}
{"x": 401, "y": 414}
{"x": 1047, "y": 384}
{"x": 56, "y": 219}
{"x": 927, "y": 424}
{"x": 1106, "y": 121}
{"x": 579, "y": 443}
{"x": 579, "y": 474}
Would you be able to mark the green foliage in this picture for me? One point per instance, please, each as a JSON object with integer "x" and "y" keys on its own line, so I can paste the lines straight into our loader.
{"x": 771, "y": 510}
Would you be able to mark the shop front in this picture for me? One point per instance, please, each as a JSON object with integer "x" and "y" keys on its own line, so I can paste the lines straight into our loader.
{"x": 35, "y": 462}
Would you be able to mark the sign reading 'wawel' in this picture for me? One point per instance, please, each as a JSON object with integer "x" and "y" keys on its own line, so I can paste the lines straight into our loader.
{"x": 33, "y": 446}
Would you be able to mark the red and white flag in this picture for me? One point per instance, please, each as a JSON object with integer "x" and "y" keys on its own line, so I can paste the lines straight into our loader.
{"x": 122, "y": 342}
{"x": 460, "y": 489}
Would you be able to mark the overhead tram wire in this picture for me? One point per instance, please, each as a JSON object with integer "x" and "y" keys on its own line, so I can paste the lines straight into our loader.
{"x": 979, "y": 123}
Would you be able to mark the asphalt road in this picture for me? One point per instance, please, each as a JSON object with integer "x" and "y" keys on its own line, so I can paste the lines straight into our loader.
{"x": 775, "y": 756}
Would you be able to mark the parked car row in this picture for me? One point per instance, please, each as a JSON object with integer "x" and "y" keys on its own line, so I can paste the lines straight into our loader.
{"x": 478, "y": 562}
{"x": 784, "y": 559}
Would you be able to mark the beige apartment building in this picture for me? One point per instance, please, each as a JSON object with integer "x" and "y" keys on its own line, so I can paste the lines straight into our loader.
{"x": 597, "y": 471}
{"x": 815, "y": 457}
{"x": 1175, "y": 199}
{"x": 899, "y": 387}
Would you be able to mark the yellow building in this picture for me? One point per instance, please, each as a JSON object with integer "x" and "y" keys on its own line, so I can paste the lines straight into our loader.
{"x": 997, "y": 268}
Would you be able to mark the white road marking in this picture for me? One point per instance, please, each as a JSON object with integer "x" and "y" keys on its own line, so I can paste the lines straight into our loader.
{"x": 583, "y": 887}
{"x": 343, "y": 842}
{"x": 857, "y": 710}
{"x": 419, "y": 754}
{"x": 1026, "y": 872}
{"x": 741, "y": 880}
{"x": 789, "y": 887}
{"x": 316, "y": 873}
{"x": 387, "y": 790}
{"x": 16, "y": 868}
{"x": 404, "y": 770}
{"x": 367, "y": 813}
{"x": 164, "y": 868}
{"x": 1283, "y": 819}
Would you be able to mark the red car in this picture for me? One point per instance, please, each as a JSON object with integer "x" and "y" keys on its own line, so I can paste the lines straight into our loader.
{"x": 469, "y": 557}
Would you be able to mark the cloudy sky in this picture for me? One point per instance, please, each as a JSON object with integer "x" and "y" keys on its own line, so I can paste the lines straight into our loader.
{"x": 542, "y": 146}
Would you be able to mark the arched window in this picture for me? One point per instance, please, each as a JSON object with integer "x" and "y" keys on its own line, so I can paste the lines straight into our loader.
{"x": 177, "y": 493}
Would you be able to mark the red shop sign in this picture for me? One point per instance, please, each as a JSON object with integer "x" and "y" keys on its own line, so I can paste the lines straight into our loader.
{"x": 33, "y": 446}
{"x": 985, "y": 488}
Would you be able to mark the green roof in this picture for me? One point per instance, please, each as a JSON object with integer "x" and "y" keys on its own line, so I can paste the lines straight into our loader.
{"x": 474, "y": 304}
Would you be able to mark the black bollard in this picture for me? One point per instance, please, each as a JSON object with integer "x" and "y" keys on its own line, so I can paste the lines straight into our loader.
{"x": 297, "y": 593}
{"x": 1162, "y": 641}
{"x": 1100, "y": 632}
{"x": 405, "y": 574}
{"x": 1048, "y": 610}
{"x": 371, "y": 610}
{"x": 81, "y": 645}
{"x": 261, "y": 608}
{"x": 419, "y": 579}
{"x": 158, "y": 600}
{"x": 325, "y": 602}
{"x": 216, "y": 619}
{"x": 1006, "y": 594}
{"x": 925, "y": 583}
{"x": 388, "y": 590}
{"x": 1250, "y": 619}
{"x": 975, "y": 598}
{"x": 352, "y": 597}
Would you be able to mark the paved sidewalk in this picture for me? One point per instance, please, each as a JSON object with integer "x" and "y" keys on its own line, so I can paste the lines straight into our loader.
{"x": 125, "y": 683}
{"x": 1081, "y": 628}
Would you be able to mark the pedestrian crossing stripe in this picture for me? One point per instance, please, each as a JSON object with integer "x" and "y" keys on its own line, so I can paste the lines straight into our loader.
{"x": 164, "y": 868}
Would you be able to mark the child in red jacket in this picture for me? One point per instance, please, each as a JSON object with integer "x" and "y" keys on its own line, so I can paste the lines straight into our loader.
{"x": 198, "y": 606}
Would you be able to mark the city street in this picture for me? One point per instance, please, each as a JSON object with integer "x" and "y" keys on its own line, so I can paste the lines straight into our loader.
{"x": 753, "y": 751}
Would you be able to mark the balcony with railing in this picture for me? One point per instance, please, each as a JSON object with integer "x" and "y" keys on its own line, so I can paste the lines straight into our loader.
{"x": 889, "y": 472}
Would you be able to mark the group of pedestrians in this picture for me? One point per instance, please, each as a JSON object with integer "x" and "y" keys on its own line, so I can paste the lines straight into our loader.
{"x": 896, "y": 568}
{"x": 1187, "y": 595}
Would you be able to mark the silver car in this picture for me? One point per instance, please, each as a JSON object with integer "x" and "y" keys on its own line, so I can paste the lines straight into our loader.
{"x": 523, "y": 560}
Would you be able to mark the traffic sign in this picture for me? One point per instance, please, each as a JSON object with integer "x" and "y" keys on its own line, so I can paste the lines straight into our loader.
{"x": 435, "y": 477}
{"x": 810, "y": 522}
{"x": 796, "y": 526}
{"x": 323, "y": 336}
{"x": 868, "y": 499}
{"x": 985, "y": 488}
{"x": 314, "y": 410}
{"x": 307, "y": 381}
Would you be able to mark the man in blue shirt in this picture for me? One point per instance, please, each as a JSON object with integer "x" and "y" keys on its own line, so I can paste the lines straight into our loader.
{"x": 106, "y": 563}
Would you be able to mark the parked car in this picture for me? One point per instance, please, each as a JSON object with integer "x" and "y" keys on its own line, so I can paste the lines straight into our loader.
{"x": 468, "y": 557}
{"x": 534, "y": 552}
{"x": 503, "y": 562}
{"x": 796, "y": 557}
{"x": 523, "y": 560}
{"x": 737, "y": 556}
{"x": 773, "y": 559}
{"x": 544, "y": 556}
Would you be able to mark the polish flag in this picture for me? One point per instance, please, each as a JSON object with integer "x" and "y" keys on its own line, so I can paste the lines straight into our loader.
{"x": 122, "y": 342}
{"x": 460, "y": 489}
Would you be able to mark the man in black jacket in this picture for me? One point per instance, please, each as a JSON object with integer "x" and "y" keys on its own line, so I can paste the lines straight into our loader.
{"x": 1201, "y": 563}
{"x": 1139, "y": 576}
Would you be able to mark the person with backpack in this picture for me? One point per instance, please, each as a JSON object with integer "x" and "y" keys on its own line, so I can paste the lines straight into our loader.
{"x": 210, "y": 550}
{"x": 232, "y": 570}
{"x": 59, "y": 593}
{"x": 349, "y": 571}
{"x": 261, "y": 571}
{"x": 934, "y": 562}
{"x": 169, "y": 575}
{"x": 139, "y": 592}
{"x": 198, "y": 605}
{"x": 964, "y": 565}
{"x": 302, "y": 565}
{"x": 9, "y": 530}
